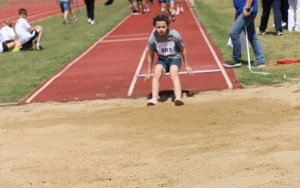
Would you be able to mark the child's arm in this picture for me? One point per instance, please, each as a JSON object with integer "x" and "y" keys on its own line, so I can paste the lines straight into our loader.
{"x": 185, "y": 60}
{"x": 150, "y": 63}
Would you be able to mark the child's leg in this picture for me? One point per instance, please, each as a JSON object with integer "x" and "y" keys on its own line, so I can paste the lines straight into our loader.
{"x": 174, "y": 69}
{"x": 159, "y": 71}
{"x": 39, "y": 29}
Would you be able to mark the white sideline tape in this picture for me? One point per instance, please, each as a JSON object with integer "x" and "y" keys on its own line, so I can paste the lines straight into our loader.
{"x": 293, "y": 79}
{"x": 185, "y": 72}
{"x": 248, "y": 54}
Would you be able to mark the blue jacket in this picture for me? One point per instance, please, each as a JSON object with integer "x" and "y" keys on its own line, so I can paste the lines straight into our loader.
{"x": 239, "y": 6}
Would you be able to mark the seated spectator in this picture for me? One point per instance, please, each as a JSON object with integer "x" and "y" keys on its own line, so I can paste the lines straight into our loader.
{"x": 5, "y": 46}
{"x": 27, "y": 34}
{"x": 9, "y": 35}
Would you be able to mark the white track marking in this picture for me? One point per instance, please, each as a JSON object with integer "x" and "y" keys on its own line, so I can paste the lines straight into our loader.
{"x": 124, "y": 40}
{"x": 229, "y": 83}
{"x": 72, "y": 63}
{"x": 185, "y": 72}
{"x": 138, "y": 69}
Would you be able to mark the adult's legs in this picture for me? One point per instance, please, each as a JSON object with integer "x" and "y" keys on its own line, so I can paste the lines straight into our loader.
{"x": 291, "y": 14}
{"x": 90, "y": 8}
{"x": 266, "y": 6}
{"x": 252, "y": 37}
{"x": 297, "y": 25}
{"x": 276, "y": 5}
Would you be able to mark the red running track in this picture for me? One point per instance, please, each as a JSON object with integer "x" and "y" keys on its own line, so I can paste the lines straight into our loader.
{"x": 109, "y": 68}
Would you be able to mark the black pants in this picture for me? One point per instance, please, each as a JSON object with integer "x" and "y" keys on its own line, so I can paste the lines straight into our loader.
{"x": 266, "y": 6}
{"x": 90, "y": 6}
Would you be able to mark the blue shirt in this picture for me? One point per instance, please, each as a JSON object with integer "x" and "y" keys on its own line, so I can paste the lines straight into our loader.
{"x": 239, "y": 6}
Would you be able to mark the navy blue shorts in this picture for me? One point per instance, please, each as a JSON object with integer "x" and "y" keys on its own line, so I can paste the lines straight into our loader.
{"x": 167, "y": 63}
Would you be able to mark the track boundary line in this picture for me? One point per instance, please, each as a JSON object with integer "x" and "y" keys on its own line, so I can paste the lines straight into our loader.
{"x": 73, "y": 62}
{"x": 124, "y": 40}
{"x": 226, "y": 77}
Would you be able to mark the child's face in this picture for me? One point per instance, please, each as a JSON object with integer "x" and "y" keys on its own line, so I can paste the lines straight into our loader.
{"x": 24, "y": 15}
{"x": 161, "y": 28}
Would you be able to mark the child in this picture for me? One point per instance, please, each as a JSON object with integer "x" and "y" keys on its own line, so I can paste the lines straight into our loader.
{"x": 168, "y": 45}
{"x": 294, "y": 21}
{"x": 5, "y": 46}
{"x": 26, "y": 34}
{"x": 64, "y": 7}
{"x": 9, "y": 35}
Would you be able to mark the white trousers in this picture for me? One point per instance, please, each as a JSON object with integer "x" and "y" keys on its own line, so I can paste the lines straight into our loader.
{"x": 294, "y": 14}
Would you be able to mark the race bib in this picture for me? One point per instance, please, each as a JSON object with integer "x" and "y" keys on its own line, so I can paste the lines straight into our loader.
{"x": 166, "y": 48}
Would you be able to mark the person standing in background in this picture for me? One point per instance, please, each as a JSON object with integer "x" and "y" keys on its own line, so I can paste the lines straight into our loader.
{"x": 64, "y": 7}
{"x": 90, "y": 8}
{"x": 266, "y": 6}
{"x": 245, "y": 13}
{"x": 294, "y": 15}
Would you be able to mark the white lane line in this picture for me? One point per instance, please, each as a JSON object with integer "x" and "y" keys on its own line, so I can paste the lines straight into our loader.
{"x": 72, "y": 63}
{"x": 226, "y": 77}
{"x": 138, "y": 69}
{"x": 185, "y": 72}
{"x": 124, "y": 40}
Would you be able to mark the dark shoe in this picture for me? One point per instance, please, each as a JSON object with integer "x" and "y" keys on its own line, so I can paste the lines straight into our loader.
{"x": 232, "y": 64}
{"x": 109, "y": 2}
{"x": 278, "y": 33}
{"x": 178, "y": 102}
{"x": 135, "y": 12}
{"x": 259, "y": 64}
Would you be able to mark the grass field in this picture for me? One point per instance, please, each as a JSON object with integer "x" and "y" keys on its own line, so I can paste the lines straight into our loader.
{"x": 22, "y": 72}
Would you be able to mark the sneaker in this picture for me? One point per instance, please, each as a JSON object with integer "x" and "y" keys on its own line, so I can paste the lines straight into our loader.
{"x": 297, "y": 29}
{"x": 152, "y": 102}
{"x": 178, "y": 102}
{"x": 109, "y": 2}
{"x": 92, "y": 22}
{"x": 74, "y": 19}
{"x": 260, "y": 32}
{"x": 135, "y": 12}
{"x": 66, "y": 22}
{"x": 39, "y": 47}
{"x": 232, "y": 64}
{"x": 89, "y": 20}
{"x": 259, "y": 64}
{"x": 278, "y": 33}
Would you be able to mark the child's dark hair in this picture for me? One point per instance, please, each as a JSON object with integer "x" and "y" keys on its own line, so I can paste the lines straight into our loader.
{"x": 162, "y": 16}
{"x": 22, "y": 11}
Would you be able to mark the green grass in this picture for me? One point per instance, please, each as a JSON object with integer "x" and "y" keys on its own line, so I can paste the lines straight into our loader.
{"x": 23, "y": 71}
{"x": 218, "y": 16}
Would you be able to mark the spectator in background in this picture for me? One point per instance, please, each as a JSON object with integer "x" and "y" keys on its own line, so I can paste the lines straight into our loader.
{"x": 9, "y": 35}
{"x": 64, "y": 7}
{"x": 90, "y": 11}
{"x": 71, "y": 13}
{"x": 134, "y": 7}
{"x": 246, "y": 11}
{"x": 266, "y": 6}
{"x": 5, "y": 46}
{"x": 27, "y": 35}
{"x": 294, "y": 15}
{"x": 284, "y": 13}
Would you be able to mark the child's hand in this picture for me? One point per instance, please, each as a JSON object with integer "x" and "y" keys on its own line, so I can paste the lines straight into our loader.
{"x": 189, "y": 70}
{"x": 147, "y": 78}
